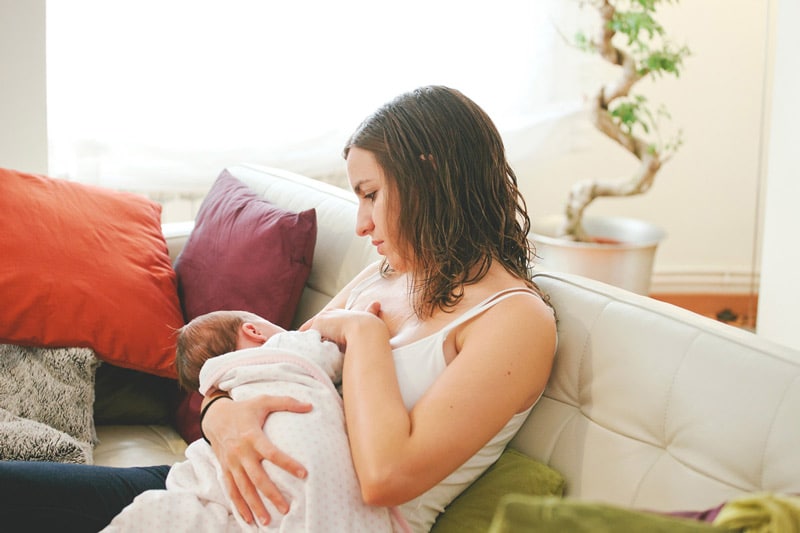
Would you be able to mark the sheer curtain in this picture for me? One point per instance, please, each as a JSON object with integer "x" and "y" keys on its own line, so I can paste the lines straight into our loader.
{"x": 160, "y": 95}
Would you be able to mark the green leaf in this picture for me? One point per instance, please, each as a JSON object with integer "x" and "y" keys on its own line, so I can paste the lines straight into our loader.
{"x": 633, "y": 23}
{"x": 583, "y": 42}
{"x": 639, "y": 35}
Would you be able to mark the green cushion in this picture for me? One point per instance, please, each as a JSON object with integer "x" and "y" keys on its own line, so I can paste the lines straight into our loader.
{"x": 513, "y": 472}
{"x": 555, "y": 515}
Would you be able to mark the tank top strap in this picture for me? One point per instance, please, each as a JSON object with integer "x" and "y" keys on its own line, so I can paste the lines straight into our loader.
{"x": 486, "y": 304}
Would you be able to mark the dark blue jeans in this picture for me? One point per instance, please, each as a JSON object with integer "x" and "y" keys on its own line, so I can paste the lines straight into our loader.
{"x": 40, "y": 496}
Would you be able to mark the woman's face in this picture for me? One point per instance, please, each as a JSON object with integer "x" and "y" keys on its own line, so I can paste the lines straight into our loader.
{"x": 376, "y": 212}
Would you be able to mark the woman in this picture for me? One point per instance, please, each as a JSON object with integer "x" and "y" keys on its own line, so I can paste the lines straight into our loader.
{"x": 448, "y": 344}
{"x": 459, "y": 317}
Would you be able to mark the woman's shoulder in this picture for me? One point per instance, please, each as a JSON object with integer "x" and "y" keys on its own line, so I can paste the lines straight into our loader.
{"x": 510, "y": 295}
{"x": 499, "y": 281}
{"x": 517, "y": 330}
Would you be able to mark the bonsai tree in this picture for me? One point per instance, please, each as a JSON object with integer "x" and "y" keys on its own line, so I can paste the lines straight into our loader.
{"x": 630, "y": 38}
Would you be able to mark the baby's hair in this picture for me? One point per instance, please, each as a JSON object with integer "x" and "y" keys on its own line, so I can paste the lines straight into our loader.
{"x": 204, "y": 337}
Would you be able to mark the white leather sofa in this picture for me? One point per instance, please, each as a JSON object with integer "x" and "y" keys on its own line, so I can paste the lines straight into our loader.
{"x": 649, "y": 406}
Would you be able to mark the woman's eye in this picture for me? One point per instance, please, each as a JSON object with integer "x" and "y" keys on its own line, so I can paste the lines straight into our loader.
{"x": 370, "y": 196}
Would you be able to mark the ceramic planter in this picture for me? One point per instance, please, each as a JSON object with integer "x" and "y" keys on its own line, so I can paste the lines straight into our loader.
{"x": 623, "y": 256}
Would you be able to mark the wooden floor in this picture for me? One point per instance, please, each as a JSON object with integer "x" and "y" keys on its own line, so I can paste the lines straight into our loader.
{"x": 735, "y": 309}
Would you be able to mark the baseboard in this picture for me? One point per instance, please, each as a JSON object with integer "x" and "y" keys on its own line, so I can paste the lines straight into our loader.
{"x": 706, "y": 281}
{"x": 731, "y": 297}
{"x": 735, "y": 309}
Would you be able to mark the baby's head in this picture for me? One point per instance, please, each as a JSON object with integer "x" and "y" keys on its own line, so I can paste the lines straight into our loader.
{"x": 215, "y": 334}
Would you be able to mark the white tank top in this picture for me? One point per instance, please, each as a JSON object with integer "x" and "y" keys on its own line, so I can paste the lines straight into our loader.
{"x": 418, "y": 365}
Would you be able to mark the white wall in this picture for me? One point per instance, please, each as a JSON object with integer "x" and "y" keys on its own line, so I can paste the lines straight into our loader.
{"x": 706, "y": 197}
{"x": 23, "y": 97}
{"x": 780, "y": 283}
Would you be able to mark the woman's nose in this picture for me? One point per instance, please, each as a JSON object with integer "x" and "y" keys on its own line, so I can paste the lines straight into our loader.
{"x": 364, "y": 223}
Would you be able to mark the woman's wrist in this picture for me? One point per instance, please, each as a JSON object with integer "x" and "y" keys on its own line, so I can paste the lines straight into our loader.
{"x": 368, "y": 330}
{"x": 210, "y": 400}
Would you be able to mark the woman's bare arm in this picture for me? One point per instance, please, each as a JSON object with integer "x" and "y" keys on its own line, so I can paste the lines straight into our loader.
{"x": 399, "y": 454}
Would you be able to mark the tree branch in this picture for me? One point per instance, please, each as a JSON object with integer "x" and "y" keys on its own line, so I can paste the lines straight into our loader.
{"x": 615, "y": 56}
{"x": 583, "y": 192}
{"x": 618, "y": 125}
{"x": 602, "y": 120}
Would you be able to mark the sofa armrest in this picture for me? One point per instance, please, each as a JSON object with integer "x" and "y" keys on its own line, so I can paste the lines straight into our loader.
{"x": 176, "y": 234}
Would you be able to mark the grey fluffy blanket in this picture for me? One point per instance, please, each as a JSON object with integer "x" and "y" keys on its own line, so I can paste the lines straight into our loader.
{"x": 46, "y": 403}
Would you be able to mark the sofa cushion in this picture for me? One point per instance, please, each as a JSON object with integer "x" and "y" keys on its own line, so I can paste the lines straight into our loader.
{"x": 513, "y": 472}
{"x": 83, "y": 266}
{"x": 554, "y": 515}
{"x": 244, "y": 253}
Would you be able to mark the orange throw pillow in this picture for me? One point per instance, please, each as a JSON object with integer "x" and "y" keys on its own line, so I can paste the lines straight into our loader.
{"x": 83, "y": 266}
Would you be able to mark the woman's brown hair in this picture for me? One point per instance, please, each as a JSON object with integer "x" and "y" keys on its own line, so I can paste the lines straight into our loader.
{"x": 460, "y": 206}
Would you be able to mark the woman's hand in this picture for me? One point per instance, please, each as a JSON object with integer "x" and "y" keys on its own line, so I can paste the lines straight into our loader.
{"x": 235, "y": 431}
{"x": 336, "y": 324}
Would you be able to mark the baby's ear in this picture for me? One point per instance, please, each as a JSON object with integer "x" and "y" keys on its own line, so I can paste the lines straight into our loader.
{"x": 249, "y": 336}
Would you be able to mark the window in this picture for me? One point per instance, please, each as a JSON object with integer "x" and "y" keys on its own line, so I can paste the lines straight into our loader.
{"x": 159, "y": 96}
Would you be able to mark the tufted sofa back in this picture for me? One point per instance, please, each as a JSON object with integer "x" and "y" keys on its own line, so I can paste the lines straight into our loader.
{"x": 654, "y": 407}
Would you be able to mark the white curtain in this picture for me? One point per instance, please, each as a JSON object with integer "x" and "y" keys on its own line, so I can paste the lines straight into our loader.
{"x": 162, "y": 94}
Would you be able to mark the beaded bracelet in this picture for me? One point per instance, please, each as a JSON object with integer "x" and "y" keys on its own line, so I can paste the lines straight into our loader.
{"x": 205, "y": 409}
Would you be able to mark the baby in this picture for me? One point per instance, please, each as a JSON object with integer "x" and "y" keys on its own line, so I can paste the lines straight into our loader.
{"x": 246, "y": 355}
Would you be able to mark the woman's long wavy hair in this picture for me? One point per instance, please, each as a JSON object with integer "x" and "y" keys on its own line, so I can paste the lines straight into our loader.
{"x": 456, "y": 197}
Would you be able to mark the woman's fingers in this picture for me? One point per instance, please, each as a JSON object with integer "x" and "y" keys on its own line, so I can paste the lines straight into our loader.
{"x": 238, "y": 501}
{"x": 247, "y": 479}
{"x": 285, "y": 403}
{"x": 265, "y": 448}
{"x": 234, "y": 459}
{"x": 241, "y": 447}
{"x": 253, "y": 481}
{"x": 283, "y": 461}
{"x": 259, "y": 485}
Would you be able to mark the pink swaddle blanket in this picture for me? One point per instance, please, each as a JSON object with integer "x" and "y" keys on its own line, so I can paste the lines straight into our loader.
{"x": 295, "y": 364}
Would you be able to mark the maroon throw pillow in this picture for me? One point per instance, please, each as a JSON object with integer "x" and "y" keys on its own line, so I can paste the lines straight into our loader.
{"x": 187, "y": 415}
{"x": 244, "y": 253}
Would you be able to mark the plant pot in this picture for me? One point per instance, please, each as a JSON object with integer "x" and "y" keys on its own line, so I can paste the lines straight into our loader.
{"x": 626, "y": 261}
